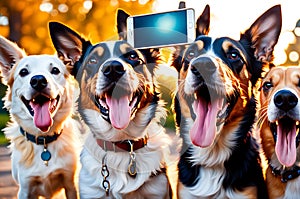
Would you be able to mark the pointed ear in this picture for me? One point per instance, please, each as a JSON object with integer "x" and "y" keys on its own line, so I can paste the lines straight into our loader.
{"x": 264, "y": 33}
{"x": 203, "y": 22}
{"x": 70, "y": 46}
{"x": 122, "y": 24}
{"x": 10, "y": 54}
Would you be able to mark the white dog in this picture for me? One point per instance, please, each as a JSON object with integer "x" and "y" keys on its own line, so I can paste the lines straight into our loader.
{"x": 40, "y": 99}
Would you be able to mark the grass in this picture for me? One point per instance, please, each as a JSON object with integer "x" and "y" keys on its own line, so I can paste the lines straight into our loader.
{"x": 3, "y": 120}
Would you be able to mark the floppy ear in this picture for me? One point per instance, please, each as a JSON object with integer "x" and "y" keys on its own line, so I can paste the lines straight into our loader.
{"x": 122, "y": 24}
{"x": 203, "y": 22}
{"x": 10, "y": 54}
{"x": 264, "y": 33}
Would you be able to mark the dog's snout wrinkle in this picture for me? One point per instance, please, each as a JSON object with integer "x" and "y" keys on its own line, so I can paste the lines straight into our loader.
{"x": 113, "y": 70}
{"x": 38, "y": 82}
{"x": 285, "y": 100}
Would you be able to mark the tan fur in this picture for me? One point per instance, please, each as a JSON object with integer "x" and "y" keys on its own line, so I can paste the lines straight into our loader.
{"x": 281, "y": 77}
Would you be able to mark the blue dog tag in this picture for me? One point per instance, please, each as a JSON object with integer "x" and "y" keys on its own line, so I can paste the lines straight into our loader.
{"x": 46, "y": 156}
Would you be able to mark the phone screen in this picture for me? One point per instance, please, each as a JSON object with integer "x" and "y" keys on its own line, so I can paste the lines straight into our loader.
{"x": 162, "y": 29}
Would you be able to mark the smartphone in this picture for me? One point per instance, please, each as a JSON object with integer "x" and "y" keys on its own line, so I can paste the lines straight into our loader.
{"x": 161, "y": 29}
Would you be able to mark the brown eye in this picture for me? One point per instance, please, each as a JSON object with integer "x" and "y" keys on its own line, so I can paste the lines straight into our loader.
{"x": 190, "y": 54}
{"x": 133, "y": 56}
{"x": 233, "y": 56}
{"x": 266, "y": 86}
{"x": 23, "y": 72}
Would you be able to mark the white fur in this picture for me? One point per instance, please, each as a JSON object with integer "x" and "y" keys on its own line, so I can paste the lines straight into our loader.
{"x": 64, "y": 149}
{"x": 157, "y": 154}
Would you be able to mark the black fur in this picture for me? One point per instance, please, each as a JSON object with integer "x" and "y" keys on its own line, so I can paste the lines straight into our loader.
{"x": 188, "y": 173}
{"x": 243, "y": 167}
{"x": 239, "y": 58}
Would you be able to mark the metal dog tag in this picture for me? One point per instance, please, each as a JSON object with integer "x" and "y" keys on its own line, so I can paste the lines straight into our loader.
{"x": 132, "y": 168}
{"x": 46, "y": 156}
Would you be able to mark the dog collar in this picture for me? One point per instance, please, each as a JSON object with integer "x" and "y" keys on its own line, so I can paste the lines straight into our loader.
{"x": 286, "y": 175}
{"x": 121, "y": 146}
{"x": 42, "y": 140}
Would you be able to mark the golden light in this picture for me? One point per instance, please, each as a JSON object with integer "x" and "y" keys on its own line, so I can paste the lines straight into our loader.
{"x": 63, "y": 8}
{"x": 297, "y": 31}
{"x": 143, "y": 2}
{"x": 114, "y": 3}
{"x": 88, "y": 4}
{"x": 46, "y": 7}
{"x": 3, "y": 21}
{"x": 294, "y": 56}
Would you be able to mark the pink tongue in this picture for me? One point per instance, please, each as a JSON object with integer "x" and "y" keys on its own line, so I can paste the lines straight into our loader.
{"x": 42, "y": 118}
{"x": 119, "y": 111}
{"x": 204, "y": 129}
{"x": 286, "y": 145}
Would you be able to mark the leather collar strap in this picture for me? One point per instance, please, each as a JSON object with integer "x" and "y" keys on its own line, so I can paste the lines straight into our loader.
{"x": 122, "y": 146}
{"x": 40, "y": 140}
{"x": 286, "y": 175}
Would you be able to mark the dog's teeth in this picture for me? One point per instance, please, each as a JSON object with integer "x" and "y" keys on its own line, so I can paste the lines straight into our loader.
{"x": 297, "y": 123}
{"x": 195, "y": 95}
{"x": 130, "y": 97}
{"x": 276, "y": 122}
{"x": 102, "y": 103}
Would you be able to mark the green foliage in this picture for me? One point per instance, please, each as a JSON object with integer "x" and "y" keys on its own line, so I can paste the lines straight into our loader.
{"x": 4, "y": 118}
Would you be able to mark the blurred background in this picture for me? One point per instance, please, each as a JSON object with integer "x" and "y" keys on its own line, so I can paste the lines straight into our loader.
{"x": 26, "y": 23}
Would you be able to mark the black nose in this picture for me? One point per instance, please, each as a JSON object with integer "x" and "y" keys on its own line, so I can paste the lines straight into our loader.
{"x": 38, "y": 82}
{"x": 285, "y": 100}
{"x": 204, "y": 66}
{"x": 113, "y": 70}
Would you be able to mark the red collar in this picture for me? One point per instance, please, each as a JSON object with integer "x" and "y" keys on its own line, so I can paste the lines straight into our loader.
{"x": 124, "y": 145}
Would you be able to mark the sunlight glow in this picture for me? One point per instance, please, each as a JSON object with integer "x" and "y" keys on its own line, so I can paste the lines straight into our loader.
{"x": 88, "y": 4}
{"x": 46, "y": 7}
{"x": 227, "y": 20}
{"x": 294, "y": 56}
{"x": 4, "y": 21}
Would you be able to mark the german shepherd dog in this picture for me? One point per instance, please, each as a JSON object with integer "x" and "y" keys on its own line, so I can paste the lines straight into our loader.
{"x": 40, "y": 99}
{"x": 279, "y": 130}
{"x": 220, "y": 157}
{"x": 127, "y": 153}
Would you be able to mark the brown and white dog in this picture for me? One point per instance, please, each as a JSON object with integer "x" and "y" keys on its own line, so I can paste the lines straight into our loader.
{"x": 279, "y": 118}
{"x": 220, "y": 158}
{"x": 40, "y": 99}
{"x": 127, "y": 150}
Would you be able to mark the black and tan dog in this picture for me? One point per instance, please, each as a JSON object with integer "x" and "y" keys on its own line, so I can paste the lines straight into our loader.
{"x": 127, "y": 153}
{"x": 279, "y": 130}
{"x": 220, "y": 157}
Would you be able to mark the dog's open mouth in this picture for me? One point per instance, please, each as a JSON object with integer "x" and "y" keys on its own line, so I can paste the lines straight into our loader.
{"x": 118, "y": 110}
{"x": 286, "y": 134}
{"x": 211, "y": 112}
{"x": 41, "y": 107}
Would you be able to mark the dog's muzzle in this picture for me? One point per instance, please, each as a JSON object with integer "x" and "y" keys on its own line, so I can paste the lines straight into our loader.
{"x": 113, "y": 70}
{"x": 285, "y": 100}
{"x": 38, "y": 82}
